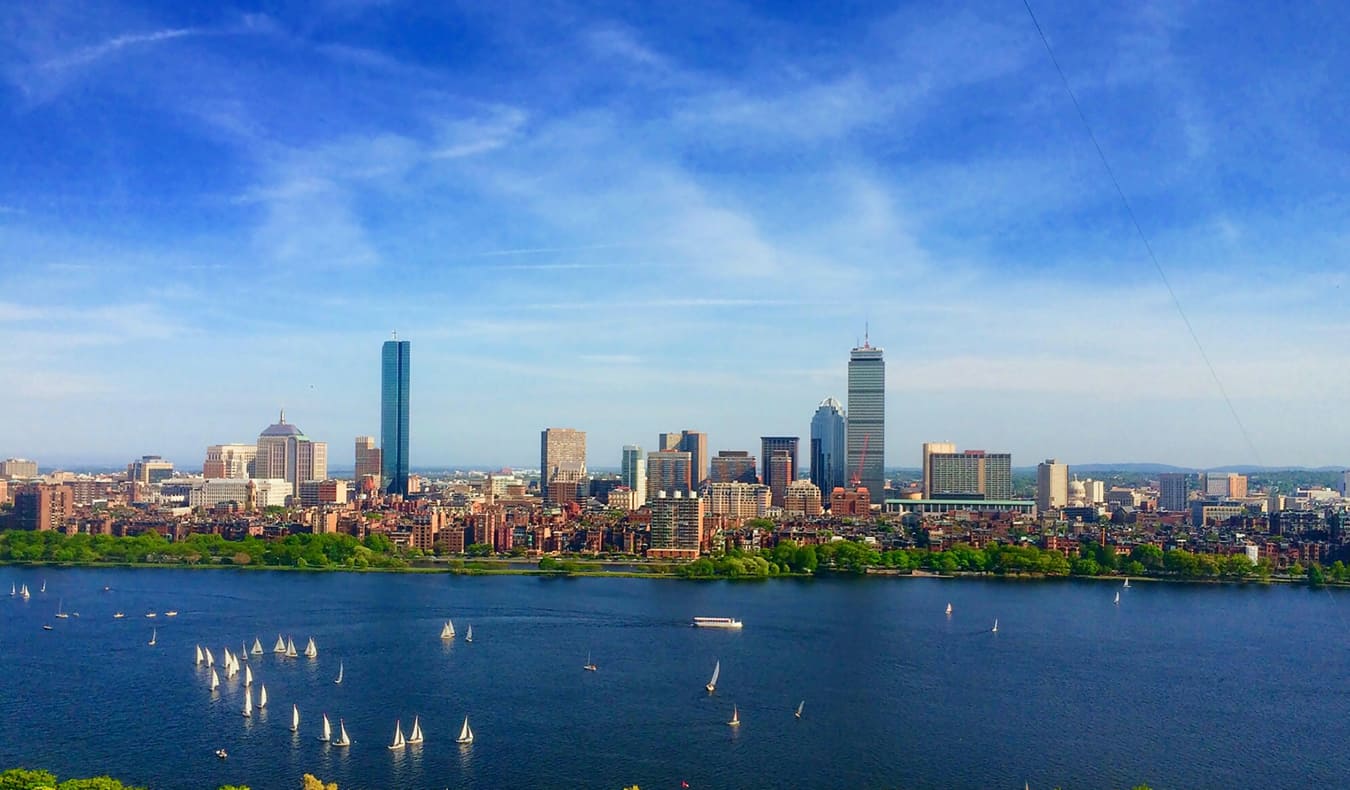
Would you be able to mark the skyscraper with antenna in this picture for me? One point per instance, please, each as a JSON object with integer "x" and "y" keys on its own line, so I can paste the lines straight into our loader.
{"x": 866, "y": 432}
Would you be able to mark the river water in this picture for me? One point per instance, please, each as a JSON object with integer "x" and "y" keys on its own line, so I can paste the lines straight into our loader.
{"x": 1177, "y": 686}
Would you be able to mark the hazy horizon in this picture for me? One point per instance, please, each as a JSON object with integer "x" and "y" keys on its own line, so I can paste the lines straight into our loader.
{"x": 644, "y": 219}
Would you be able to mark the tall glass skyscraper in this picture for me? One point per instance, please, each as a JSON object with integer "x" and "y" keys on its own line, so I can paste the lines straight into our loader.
{"x": 866, "y": 442}
{"x": 633, "y": 471}
{"x": 394, "y": 416}
{"x": 827, "y": 447}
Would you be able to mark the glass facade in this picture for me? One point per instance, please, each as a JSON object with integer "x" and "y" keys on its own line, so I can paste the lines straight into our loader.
{"x": 827, "y": 447}
{"x": 394, "y": 416}
{"x": 866, "y": 442}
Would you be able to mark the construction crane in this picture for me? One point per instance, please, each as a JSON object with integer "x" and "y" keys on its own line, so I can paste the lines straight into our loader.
{"x": 856, "y": 480}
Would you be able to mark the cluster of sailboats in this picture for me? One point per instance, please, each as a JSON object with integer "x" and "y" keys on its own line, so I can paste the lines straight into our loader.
{"x": 735, "y": 721}
{"x": 21, "y": 591}
{"x": 448, "y": 632}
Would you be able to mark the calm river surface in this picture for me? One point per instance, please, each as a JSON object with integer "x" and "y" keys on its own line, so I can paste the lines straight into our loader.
{"x": 1179, "y": 686}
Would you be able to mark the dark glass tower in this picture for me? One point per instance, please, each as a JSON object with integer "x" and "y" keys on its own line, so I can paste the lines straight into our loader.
{"x": 394, "y": 416}
{"x": 827, "y": 447}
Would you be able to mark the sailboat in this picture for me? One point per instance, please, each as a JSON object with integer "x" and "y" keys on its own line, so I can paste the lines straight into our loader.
{"x": 712, "y": 684}
{"x": 215, "y": 680}
{"x": 199, "y": 655}
{"x": 243, "y": 650}
{"x": 310, "y": 650}
{"x": 248, "y": 702}
{"x": 1127, "y": 583}
{"x": 465, "y": 734}
{"x": 295, "y": 718}
{"x": 119, "y": 615}
{"x": 949, "y": 609}
{"x": 448, "y": 630}
{"x": 210, "y": 659}
{"x": 339, "y": 677}
{"x": 995, "y": 628}
{"x": 280, "y": 646}
{"x": 262, "y": 697}
{"x": 735, "y": 717}
{"x": 1117, "y": 597}
{"x": 327, "y": 728}
{"x": 248, "y": 677}
{"x": 153, "y": 639}
{"x": 44, "y": 586}
{"x": 12, "y": 590}
{"x": 257, "y": 647}
{"x": 589, "y": 666}
{"x": 342, "y": 740}
{"x": 468, "y": 635}
{"x": 23, "y": 592}
{"x": 398, "y": 743}
{"x": 415, "y": 737}
{"x": 290, "y": 649}
{"x": 800, "y": 705}
{"x": 60, "y": 615}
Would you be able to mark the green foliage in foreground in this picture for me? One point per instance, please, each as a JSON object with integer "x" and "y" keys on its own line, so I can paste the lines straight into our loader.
{"x": 25, "y": 779}
{"x": 295, "y": 551}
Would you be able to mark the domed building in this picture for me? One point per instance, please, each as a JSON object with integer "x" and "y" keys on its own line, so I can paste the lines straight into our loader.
{"x": 285, "y": 453}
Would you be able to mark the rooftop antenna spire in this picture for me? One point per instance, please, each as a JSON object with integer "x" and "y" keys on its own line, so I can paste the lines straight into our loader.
{"x": 395, "y": 334}
{"x": 867, "y": 340}
{"x": 283, "y": 416}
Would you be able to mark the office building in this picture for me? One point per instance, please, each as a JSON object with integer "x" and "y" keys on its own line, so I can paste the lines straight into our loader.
{"x": 249, "y": 495}
{"x": 285, "y": 453}
{"x": 866, "y": 421}
{"x": 1173, "y": 491}
{"x": 149, "y": 469}
{"x": 633, "y": 473}
{"x": 314, "y": 493}
{"x": 41, "y": 507}
{"x": 733, "y": 466}
{"x": 828, "y": 436}
{"x": 18, "y": 469}
{"x": 929, "y": 449}
{"x": 973, "y": 474}
{"x": 1225, "y": 485}
{"x": 230, "y": 460}
{"x": 1345, "y": 484}
{"x": 850, "y": 502}
{"x": 677, "y": 525}
{"x": 802, "y": 499}
{"x": 1052, "y": 485}
{"x": 369, "y": 460}
{"x": 696, "y": 444}
{"x": 562, "y": 461}
{"x": 668, "y": 471}
{"x": 778, "y": 473}
{"x": 737, "y": 500}
{"x": 394, "y": 392}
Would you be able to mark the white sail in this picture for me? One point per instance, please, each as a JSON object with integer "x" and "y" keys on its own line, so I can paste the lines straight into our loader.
{"x": 257, "y": 647}
{"x": 248, "y": 676}
{"x": 342, "y": 740}
{"x": 712, "y": 684}
{"x": 243, "y": 650}
{"x": 416, "y": 735}
{"x": 1117, "y": 597}
{"x": 290, "y": 648}
{"x": 215, "y": 680}
{"x": 949, "y": 608}
{"x": 468, "y": 635}
{"x": 339, "y": 677}
{"x": 12, "y": 592}
{"x": 44, "y": 586}
{"x": 248, "y": 702}
{"x": 995, "y": 628}
{"x": 262, "y": 696}
{"x": 1127, "y": 582}
{"x": 465, "y": 734}
{"x": 199, "y": 655}
{"x": 310, "y": 650}
{"x": 398, "y": 742}
{"x": 800, "y": 705}
{"x": 23, "y": 593}
{"x": 735, "y": 717}
{"x": 327, "y": 729}
{"x": 295, "y": 718}
{"x": 280, "y": 646}
{"x": 153, "y": 635}
{"x": 446, "y": 631}
{"x": 210, "y": 659}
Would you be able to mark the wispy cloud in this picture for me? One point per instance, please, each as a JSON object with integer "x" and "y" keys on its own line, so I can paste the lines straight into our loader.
{"x": 87, "y": 55}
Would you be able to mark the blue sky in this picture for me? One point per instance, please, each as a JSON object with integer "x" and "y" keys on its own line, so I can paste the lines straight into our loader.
{"x": 630, "y": 218}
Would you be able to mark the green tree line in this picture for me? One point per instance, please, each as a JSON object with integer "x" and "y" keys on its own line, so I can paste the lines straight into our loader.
{"x": 296, "y": 551}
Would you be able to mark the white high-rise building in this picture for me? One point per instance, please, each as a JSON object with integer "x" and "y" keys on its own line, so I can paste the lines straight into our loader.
{"x": 929, "y": 450}
{"x": 633, "y": 472}
{"x": 1052, "y": 485}
{"x": 866, "y": 433}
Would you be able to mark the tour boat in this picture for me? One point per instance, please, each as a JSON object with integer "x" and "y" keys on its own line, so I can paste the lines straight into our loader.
{"x": 342, "y": 740}
{"x": 119, "y": 615}
{"x": 465, "y": 734}
{"x": 468, "y": 635}
{"x": 60, "y": 615}
{"x": 589, "y": 666}
{"x": 716, "y": 622}
{"x": 257, "y": 647}
{"x": 1117, "y": 597}
{"x": 280, "y": 646}
{"x": 215, "y": 680}
{"x": 171, "y": 613}
{"x": 248, "y": 677}
{"x": 398, "y": 743}
{"x": 339, "y": 677}
{"x": 262, "y": 696}
{"x": 448, "y": 630}
{"x": 415, "y": 737}
{"x": 735, "y": 717}
{"x": 295, "y": 718}
{"x": 800, "y": 705}
{"x": 290, "y": 649}
{"x": 327, "y": 728}
{"x": 199, "y": 655}
{"x": 949, "y": 608}
{"x": 310, "y": 650}
{"x": 153, "y": 635}
{"x": 995, "y": 628}
{"x": 248, "y": 702}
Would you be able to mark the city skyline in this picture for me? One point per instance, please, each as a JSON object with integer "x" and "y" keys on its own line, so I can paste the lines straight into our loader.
{"x": 615, "y": 221}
